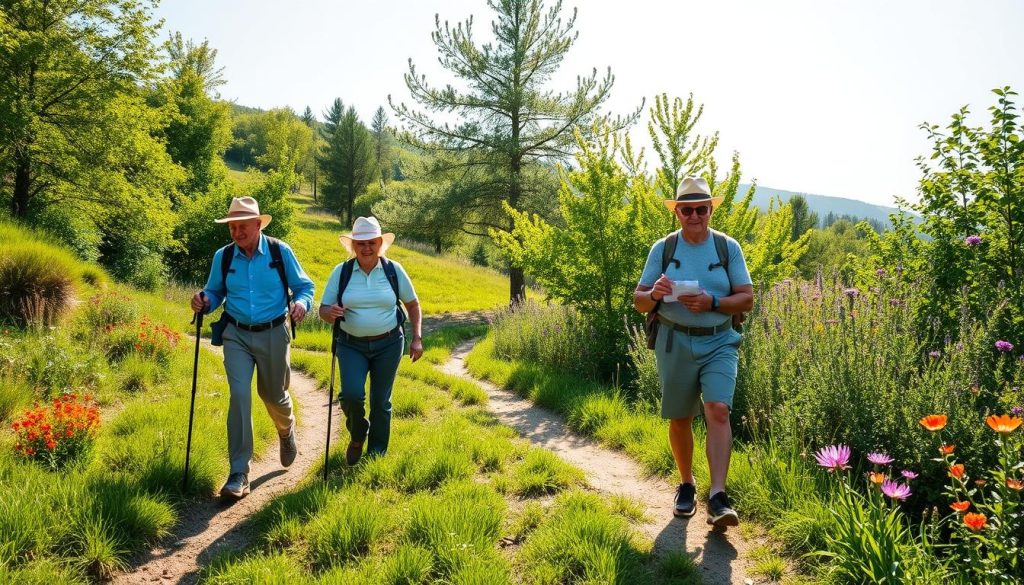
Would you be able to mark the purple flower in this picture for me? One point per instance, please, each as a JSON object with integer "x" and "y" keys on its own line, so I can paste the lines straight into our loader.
{"x": 851, "y": 292}
{"x": 934, "y": 354}
{"x": 908, "y": 474}
{"x": 881, "y": 272}
{"x": 880, "y": 458}
{"x": 1004, "y": 346}
{"x": 833, "y": 457}
{"x": 1017, "y": 410}
{"x": 896, "y": 491}
{"x": 973, "y": 240}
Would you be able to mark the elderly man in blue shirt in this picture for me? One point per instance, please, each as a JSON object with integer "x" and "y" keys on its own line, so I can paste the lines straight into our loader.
{"x": 257, "y": 305}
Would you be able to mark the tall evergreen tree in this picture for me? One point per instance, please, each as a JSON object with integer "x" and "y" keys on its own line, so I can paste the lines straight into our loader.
{"x": 508, "y": 118}
{"x": 381, "y": 147}
{"x": 309, "y": 166}
{"x": 803, "y": 218}
{"x": 346, "y": 160}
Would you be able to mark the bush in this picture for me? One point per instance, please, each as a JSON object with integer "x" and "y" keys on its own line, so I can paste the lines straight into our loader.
{"x": 36, "y": 283}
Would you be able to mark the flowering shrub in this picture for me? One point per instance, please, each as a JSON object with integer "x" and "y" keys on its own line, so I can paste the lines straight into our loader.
{"x": 58, "y": 433}
{"x": 149, "y": 340}
{"x": 108, "y": 308}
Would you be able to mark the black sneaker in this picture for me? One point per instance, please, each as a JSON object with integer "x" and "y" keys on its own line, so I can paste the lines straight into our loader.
{"x": 686, "y": 500}
{"x": 720, "y": 512}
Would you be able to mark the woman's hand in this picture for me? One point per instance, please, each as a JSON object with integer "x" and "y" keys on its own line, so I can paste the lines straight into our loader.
{"x": 416, "y": 348}
{"x": 331, "y": 313}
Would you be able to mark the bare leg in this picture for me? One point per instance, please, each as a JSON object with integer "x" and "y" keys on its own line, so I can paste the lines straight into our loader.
{"x": 680, "y": 437}
{"x": 719, "y": 443}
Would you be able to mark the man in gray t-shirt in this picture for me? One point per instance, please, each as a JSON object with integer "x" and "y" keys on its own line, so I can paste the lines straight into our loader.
{"x": 696, "y": 347}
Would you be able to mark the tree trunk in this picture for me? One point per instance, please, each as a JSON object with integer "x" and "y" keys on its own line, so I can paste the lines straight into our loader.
{"x": 517, "y": 285}
{"x": 314, "y": 185}
{"x": 22, "y": 185}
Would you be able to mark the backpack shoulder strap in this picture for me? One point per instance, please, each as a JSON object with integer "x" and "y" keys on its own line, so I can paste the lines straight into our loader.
{"x": 345, "y": 276}
{"x": 722, "y": 247}
{"x": 669, "y": 251}
{"x": 227, "y": 254}
{"x": 392, "y": 276}
{"x": 277, "y": 262}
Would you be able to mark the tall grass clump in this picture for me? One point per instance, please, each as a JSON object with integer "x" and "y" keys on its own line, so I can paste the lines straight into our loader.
{"x": 37, "y": 280}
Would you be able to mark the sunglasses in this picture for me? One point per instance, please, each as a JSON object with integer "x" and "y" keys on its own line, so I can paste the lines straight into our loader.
{"x": 688, "y": 211}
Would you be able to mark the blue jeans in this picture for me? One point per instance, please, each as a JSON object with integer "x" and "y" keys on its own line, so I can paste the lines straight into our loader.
{"x": 379, "y": 360}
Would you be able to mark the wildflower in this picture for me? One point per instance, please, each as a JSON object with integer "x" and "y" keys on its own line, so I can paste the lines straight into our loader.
{"x": 881, "y": 272}
{"x": 973, "y": 241}
{"x": 896, "y": 491}
{"x": 1017, "y": 410}
{"x": 1003, "y": 424}
{"x": 934, "y": 422}
{"x": 975, "y": 521}
{"x": 956, "y": 470}
{"x": 934, "y": 354}
{"x": 851, "y": 293}
{"x": 908, "y": 474}
{"x": 947, "y": 449}
{"x": 980, "y": 482}
{"x": 880, "y": 458}
{"x": 876, "y": 478}
{"x": 833, "y": 457}
{"x": 1004, "y": 346}
{"x": 1015, "y": 484}
{"x": 960, "y": 507}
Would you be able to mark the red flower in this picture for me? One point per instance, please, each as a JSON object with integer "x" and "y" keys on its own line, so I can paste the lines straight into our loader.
{"x": 956, "y": 470}
{"x": 947, "y": 449}
{"x": 934, "y": 422}
{"x": 975, "y": 521}
{"x": 960, "y": 507}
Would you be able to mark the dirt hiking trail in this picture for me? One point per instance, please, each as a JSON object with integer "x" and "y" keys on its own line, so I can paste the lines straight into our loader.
{"x": 720, "y": 555}
{"x": 212, "y": 525}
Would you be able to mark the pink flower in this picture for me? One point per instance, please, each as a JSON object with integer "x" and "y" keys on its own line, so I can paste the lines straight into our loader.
{"x": 896, "y": 491}
{"x": 880, "y": 458}
{"x": 908, "y": 474}
{"x": 1004, "y": 346}
{"x": 973, "y": 240}
{"x": 833, "y": 457}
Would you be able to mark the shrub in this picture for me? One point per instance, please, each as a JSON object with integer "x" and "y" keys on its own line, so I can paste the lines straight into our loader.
{"x": 36, "y": 283}
{"x": 147, "y": 339}
{"x": 107, "y": 309}
{"x": 57, "y": 434}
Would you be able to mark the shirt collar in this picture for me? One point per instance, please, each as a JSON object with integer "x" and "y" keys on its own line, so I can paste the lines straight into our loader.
{"x": 379, "y": 266}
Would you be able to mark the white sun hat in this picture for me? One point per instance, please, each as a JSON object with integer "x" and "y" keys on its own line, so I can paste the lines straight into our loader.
{"x": 692, "y": 190}
{"x": 366, "y": 228}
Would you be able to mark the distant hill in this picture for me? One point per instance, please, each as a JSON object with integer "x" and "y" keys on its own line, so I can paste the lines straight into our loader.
{"x": 822, "y": 204}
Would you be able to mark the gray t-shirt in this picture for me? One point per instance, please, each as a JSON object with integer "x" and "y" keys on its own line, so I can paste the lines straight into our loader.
{"x": 694, "y": 260}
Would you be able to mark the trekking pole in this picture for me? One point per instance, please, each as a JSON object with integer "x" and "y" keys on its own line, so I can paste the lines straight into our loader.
{"x": 330, "y": 399}
{"x": 197, "y": 318}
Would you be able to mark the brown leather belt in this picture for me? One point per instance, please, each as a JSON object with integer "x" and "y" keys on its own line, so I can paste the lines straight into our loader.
{"x": 256, "y": 327}
{"x": 370, "y": 337}
{"x": 696, "y": 331}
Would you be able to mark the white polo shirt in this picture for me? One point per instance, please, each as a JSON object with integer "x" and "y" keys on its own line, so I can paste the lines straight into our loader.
{"x": 369, "y": 300}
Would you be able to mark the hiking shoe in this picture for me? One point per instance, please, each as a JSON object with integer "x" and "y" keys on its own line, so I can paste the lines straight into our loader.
{"x": 288, "y": 448}
{"x": 353, "y": 453}
{"x": 686, "y": 500}
{"x": 237, "y": 486}
{"x": 720, "y": 512}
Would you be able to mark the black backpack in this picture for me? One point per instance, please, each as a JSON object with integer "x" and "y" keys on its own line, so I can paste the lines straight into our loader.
{"x": 276, "y": 261}
{"x": 389, "y": 272}
{"x": 667, "y": 253}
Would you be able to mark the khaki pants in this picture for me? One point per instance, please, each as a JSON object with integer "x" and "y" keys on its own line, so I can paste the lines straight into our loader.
{"x": 267, "y": 353}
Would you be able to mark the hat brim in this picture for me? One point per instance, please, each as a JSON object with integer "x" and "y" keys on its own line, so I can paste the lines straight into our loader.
{"x": 672, "y": 203}
{"x": 264, "y": 219}
{"x": 387, "y": 238}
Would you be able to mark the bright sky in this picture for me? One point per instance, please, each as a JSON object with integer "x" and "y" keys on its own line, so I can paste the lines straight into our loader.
{"x": 819, "y": 97}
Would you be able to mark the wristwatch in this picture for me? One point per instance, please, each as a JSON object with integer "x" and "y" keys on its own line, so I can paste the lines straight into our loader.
{"x": 714, "y": 303}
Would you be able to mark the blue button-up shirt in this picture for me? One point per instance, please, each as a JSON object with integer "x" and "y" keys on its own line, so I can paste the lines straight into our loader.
{"x": 255, "y": 293}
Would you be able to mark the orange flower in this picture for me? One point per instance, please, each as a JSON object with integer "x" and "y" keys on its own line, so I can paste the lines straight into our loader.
{"x": 960, "y": 507}
{"x": 947, "y": 449}
{"x": 980, "y": 482}
{"x": 934, "y": 422}
{"x": 1004, "y": 424}
{"x": 975, "y": 521}
{"x": 1015, "y": 484}
{"x": 876, "y": 478}
{"x": 956, "y": 470}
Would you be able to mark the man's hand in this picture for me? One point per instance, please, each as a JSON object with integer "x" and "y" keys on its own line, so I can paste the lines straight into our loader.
{"x": 696, "y": 303}
{"x": 298, "y": 312}
{"x": 416, "y": 348}
{"x": 662, "y": 288}
{"x": 200, "y": 302}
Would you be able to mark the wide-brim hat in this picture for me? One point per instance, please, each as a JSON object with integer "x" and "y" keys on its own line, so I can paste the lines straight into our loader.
{"x": 243, "y": 208}
{"x": 366, "y": 228}
{"x": 692, "y": 190}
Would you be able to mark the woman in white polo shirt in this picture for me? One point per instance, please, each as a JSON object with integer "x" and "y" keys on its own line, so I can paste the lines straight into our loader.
{"x": 371, "y": 339}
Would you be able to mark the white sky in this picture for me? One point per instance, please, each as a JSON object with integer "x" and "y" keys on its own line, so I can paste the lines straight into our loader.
{"x": 818, "y": 97}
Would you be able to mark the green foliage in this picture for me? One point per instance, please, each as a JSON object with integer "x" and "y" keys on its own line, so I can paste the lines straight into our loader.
{"x": 271, "y": 140}
{"x": 37, "y": 279}
{"x": 508, "y": 117}
{"x": 346, "y": 162}
{"x": 542, "y": 472}
{"x": 840, "y": 248}
{"x": 973, "y": 185}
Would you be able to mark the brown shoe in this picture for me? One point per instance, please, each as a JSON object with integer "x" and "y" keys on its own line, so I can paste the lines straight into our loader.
{"x": 353, "y": 453}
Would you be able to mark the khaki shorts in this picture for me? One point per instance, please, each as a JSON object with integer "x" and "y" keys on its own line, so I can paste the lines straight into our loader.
{"x": 697, "y": 367}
